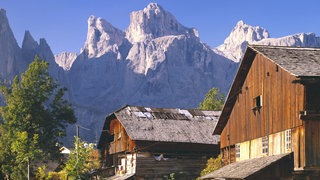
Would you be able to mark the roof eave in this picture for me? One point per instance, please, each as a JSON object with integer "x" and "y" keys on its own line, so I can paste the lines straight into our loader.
{"x": 237, "y": 83}
{"x": 107, "y": 121}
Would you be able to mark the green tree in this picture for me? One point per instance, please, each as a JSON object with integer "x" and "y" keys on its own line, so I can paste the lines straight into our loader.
{"x": 25, "y": 149}
{"x": 34, "y": 108}
{"x": 212, "y": 165}
{"x": 213, "y": 100}
{"x": 81, "y": 160}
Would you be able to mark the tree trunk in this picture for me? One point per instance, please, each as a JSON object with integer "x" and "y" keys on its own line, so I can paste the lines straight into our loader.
{"x": 28, "y": 169}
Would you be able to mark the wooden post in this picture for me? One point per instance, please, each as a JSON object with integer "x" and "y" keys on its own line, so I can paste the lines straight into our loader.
{"x": 77, "y": 134}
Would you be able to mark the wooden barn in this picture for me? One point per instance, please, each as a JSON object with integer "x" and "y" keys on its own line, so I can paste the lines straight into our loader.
{"x": 151, "y": 143}
{"x": 272, "y": 113}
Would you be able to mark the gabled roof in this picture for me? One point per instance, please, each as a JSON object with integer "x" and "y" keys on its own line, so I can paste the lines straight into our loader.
{"x": 300, "y": 62}
{"x": 295, "y": 60}
{"x": 167, "y": 125}
{"x": 247, "y": 168}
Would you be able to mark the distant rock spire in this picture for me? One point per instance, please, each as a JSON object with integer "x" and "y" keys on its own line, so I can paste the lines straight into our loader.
{"x": 45, "y": 52}
{"x": 6, "y": 33}
{"x": 10, "y": 55}
{"x": 244, "y": 32}
{"x": 241, "y": 35}
{"x": 28, "y": 42}
{"x": 3, "y": 13}
{"x": 29, "y": 47}
{"x": 102, "y": 37}
{"x": 152, "y": 22}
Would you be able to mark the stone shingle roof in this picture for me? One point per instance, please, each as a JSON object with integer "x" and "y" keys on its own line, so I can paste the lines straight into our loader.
{"x": 296, "y": 60}
{"x": 168, "y": 125}
{"x": 246, "y": 168}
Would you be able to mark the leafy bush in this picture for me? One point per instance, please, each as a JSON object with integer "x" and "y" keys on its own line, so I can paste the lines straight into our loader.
{"x": 40, "y": 174}
{"x": 176, "y": 176}
{"x": 57, "y": 175}
{"x": 212, "y": 165}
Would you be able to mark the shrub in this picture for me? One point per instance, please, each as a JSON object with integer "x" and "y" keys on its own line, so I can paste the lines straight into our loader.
{"x": 212, "y": 165}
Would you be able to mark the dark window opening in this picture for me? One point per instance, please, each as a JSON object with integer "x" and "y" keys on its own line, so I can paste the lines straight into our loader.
{"x": 111, "y": 138}
{"x": 313, "y": 97}
{"x": 257, "y": 103}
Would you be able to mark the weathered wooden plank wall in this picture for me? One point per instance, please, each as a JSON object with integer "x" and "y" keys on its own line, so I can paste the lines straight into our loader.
{"x": 298, "y": 146}
{"x": 312, "y": 134}
{"x": 122, "y": 141}
{"x": 190, "y": 166}
{"x": 281, "y": 102}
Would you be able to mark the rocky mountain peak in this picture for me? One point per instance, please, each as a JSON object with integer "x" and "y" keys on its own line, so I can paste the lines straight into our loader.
{"x": 244, "y": 32}
{"x": 2, "y": 12}
{"x": 241, "y": 35}
{"x": 65, "y": 59}
{"x": 43, "y": 44}
{"x": 154, "y": 7}
{"x": 28, "y": 42}
{"x": 240, "y": 24}
{"x": 5, "y": 30}
{"x": 153, "y": 22}
{"x": 44, "y": 51}
{"x": 102, "y": 37}
{"x": 10, "y": 55}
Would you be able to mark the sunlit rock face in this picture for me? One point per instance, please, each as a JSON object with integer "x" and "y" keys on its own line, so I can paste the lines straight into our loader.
{"x": 243, "y": 34}
{"x": 157, "y": 62}
{"x": 65, "y": 59}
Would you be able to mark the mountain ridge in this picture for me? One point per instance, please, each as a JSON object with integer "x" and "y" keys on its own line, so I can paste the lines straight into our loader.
{"x": 244, "y": 34}
{"x": 162, "y": 64}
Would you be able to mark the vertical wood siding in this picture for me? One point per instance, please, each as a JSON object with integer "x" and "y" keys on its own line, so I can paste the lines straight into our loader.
{"x": 298, "y": 146}
{"x": 281, "y": 102}
{"x": 312, "y": 135}
{"x": 122, "y": 141}
{"x": 189, "y": 165}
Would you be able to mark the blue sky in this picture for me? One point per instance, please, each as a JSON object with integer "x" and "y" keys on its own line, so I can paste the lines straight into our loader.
{"x": 63, "y": 23}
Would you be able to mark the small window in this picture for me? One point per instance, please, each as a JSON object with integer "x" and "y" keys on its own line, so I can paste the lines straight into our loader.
{"x": 257, "y": 103}
{"x": 265, "y": 145}
{"x": 112, "y": 137}
{"x": 312, "y": 98}
{"x": 288, "y": 139}
{"x": 237, "y": 150}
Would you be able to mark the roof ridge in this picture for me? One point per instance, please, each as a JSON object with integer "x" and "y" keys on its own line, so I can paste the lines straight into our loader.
{"x": 283, "y": 47}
